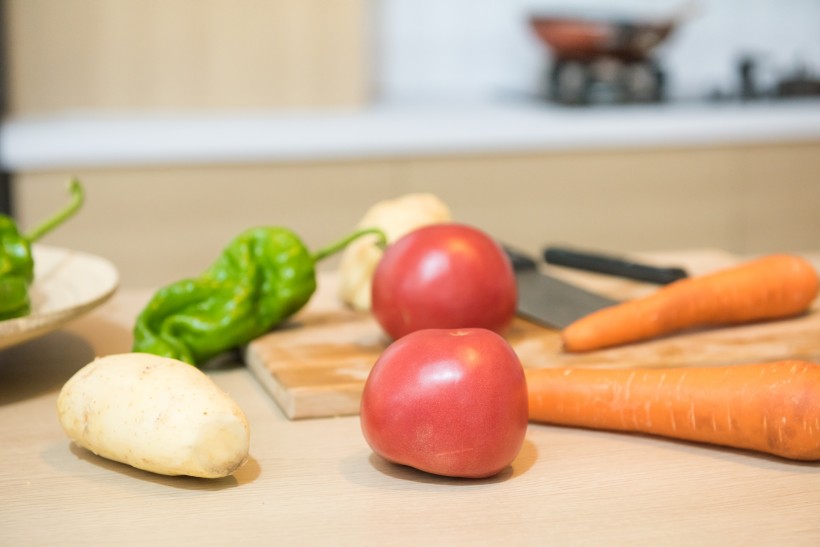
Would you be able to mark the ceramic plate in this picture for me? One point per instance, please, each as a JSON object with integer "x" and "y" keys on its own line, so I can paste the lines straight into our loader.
{"x": 66, "y": 285}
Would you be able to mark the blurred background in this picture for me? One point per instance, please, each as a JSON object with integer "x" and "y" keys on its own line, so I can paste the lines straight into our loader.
{"x": 627, "y": 125}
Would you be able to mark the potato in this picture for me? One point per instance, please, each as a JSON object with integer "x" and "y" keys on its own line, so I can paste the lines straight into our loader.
{"x": 156, "y": 414}
{"x": 396, "y": 217}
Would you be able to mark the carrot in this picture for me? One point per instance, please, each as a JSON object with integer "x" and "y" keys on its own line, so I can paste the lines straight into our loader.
{"x": 772, "y": 287}
{"x": 771, "y": 407}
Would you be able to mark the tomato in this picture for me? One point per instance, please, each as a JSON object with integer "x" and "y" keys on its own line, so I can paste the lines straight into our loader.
{"x": 444, "y": 276}
{"x": 448, "y": 402}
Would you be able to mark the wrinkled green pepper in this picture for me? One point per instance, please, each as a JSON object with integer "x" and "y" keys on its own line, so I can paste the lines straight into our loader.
{"x": 265, "y": 275}
{"x": 17, "y": 261}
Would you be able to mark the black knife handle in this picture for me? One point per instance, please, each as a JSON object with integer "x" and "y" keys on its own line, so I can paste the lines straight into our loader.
{"x": 611, "y": 265}
{"x": 520, "y": 261}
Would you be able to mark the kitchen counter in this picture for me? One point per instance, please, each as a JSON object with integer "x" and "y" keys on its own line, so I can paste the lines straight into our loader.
{"x": 316, "y": 481}
{"x": 73, "y": 141}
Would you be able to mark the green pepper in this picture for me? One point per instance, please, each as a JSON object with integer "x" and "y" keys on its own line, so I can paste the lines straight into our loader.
{"x": 265, "y": 275}
{"x": 17, "y": 261}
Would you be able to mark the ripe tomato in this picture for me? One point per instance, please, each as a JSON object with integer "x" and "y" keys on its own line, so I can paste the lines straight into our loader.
{"x": 444, "y": 276}
{"x": 448, "y": 402}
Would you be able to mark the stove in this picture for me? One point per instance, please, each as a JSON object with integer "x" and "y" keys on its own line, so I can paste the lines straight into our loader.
{"x": 598, "y": 60}
{"x": 604, "y": 80}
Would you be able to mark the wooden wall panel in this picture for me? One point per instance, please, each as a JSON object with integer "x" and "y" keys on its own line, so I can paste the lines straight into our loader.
{"x": 186, "y": 54}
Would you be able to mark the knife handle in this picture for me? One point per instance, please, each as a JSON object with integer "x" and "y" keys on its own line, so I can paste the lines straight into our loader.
{"x": 600, "y": 263}
{"x": 520, "y": 261}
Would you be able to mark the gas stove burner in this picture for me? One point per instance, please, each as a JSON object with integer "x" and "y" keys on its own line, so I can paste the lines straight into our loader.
{"x": 605, "y": 80}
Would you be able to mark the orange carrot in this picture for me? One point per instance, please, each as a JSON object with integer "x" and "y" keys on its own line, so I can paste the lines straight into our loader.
{"x": 771, "y": 287}
{"x": 770, "y": 407}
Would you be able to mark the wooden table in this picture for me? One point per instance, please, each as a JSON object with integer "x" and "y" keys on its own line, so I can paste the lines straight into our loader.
{"x": 316, "y": 481}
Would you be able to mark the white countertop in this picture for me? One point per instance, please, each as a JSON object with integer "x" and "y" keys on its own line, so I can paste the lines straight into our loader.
{"x": 108, "y": 140}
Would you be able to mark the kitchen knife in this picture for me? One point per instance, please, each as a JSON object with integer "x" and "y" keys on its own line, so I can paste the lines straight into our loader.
{"x": 601, "y": 263}
{"x": 547, "y": 300}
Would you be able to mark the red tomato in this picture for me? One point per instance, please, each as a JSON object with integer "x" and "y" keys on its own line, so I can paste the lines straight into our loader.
{"x": 444, "y": 276}
{"x": 448, "y": 402}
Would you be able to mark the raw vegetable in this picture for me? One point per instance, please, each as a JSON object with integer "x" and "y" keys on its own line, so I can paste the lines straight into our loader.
{"x": 395, "y": 217}
{"x": 17, "y": 261}
{"x": 770, "y": 407}
{"x": 263, "y": 276}
{"x": 155, "y": 414}
{"x": 448, "y": 402}
{"x": 444, "y": 276}
{"x": 771, "y": 287}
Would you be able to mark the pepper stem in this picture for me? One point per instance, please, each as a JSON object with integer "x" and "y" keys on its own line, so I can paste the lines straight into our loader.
{"x": 77, "y": 197}
{"x": 339, "y": 245}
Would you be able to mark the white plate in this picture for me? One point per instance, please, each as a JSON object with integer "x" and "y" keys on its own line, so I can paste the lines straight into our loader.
{"x": 66, "y": 285}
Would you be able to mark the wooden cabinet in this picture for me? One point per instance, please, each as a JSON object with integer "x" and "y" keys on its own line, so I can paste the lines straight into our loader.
{"x": 158, "y": 224}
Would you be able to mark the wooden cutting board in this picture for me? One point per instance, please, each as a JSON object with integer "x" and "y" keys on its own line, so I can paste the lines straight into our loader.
{"x": 317, "y": 363}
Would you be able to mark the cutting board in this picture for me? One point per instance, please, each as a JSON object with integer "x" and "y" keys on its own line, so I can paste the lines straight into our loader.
{"x": 316, "y": 364}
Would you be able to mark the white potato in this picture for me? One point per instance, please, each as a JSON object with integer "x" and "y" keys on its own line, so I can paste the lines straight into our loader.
{"x": 156, "y": 414}
{"x": 396, "y": 217}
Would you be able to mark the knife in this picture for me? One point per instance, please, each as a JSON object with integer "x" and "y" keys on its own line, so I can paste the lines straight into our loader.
{"x": 548, "y": 300}
{"x": 602, "y": 263}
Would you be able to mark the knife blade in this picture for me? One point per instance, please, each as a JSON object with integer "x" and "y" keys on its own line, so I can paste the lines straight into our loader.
{"x": 612, "y": 265}
{"x": 547, "y": 300}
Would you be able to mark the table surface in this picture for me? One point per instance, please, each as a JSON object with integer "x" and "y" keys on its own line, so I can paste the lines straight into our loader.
{"x": 317, "y": 482}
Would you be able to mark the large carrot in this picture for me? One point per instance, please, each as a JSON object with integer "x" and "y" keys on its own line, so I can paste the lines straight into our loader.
{"x": 771, "y": 287}
{"x": 770, "y": 407}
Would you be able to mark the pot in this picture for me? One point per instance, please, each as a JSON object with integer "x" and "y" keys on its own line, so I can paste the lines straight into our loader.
{"x": 586, "y": 39}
